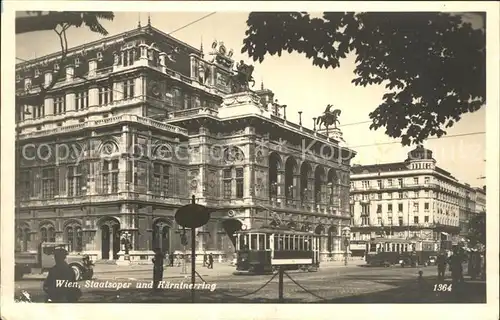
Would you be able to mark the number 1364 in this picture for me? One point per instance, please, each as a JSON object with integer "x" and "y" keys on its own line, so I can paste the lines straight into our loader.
{"x": 442, "y": 287}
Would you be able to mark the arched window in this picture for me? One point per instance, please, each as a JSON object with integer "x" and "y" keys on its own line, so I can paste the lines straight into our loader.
{"x": 44, "y": 236}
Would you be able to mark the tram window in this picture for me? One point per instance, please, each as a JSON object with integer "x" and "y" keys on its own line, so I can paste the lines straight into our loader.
{"x": 373, "y": 248}
{"x": 243, "y": 241}
{"x": 300, "y": 242}
{"x": 286, "y": 241}
{"x": 296, "y": 243}
{"x": 268, "y": 237}
{"x": 262, "y": 242}
{"x": 307, "y": 242}
{"x": 253, "y": 242}
{"x": 276, "y": 242}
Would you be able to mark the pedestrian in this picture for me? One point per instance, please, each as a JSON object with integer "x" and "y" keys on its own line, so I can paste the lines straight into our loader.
{"x": 157, "y": 268}
{"x": 69, "y": 291}
{"x": 205, "y": 259}
{"x": 441, "y": 265}
{"x": 455, "y": 262}
{"x": 210, "y": 261}
{"x": 171, "y": 259}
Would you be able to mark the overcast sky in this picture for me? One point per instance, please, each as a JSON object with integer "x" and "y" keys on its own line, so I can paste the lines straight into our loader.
{"x": 301, "y": 86}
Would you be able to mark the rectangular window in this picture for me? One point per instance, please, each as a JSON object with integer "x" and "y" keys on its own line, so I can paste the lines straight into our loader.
{"x": 128, "y": 89}
{"x": 389, "y": 208}
{"x": 364, "y": 221}
{"x": 415, "y": 207}
{"x": 389, "y": 219}
{"x": 365, "y": 184}
{"x": 81, "y": 100}
{"x": 389, "y": 182}
{"x": 400, "y": 207}
{"x": 427, "y": 180}
{"x": 165, "y": 181}
{"x": 415, "y": 219}
{"x": 105, "y": 95}
{"x": 59, "y": 105}
{"x": 379, "y": 183}
{"x": 239, "y": 183}
{"x": 400, "y": 195}
{"x": 105, "y": 177}
{"x": 426, "y": 219}
{"x": 379, "y": 208}
{"x": 379, "y": 221}
{"x": 379, "y": 196}
{"x": 156, "y": 183}
{"x": 400, "y": 182}
{"x": 426, "y": 206}
{"x": 227, "y": 184}
{"x": 400, "y": 221}
{"x": 415, "y": 180}
{"x": 48, "y": 183}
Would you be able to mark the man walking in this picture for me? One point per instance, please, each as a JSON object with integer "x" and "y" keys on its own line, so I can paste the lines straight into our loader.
{"x": 61, "y": 284}
{"x": 210, "y": 261}
{"x": 441, "y": 265}
{"x": 157, "y": 268}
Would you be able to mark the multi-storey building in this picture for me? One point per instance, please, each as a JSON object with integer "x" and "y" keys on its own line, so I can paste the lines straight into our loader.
{"x": 480, "y": 200}
{"x": 407, "y": 199}
{"x": 136, "y": 124}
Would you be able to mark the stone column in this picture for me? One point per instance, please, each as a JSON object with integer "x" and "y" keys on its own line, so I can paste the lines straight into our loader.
{"x": 281, "y": 187}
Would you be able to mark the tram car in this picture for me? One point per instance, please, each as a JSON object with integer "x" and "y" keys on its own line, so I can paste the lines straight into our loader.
{"x": 263, "y": 250}
{"x": 405, "y": 252}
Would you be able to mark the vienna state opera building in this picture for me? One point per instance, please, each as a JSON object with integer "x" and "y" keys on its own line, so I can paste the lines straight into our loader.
{"x": 116, "y": 136}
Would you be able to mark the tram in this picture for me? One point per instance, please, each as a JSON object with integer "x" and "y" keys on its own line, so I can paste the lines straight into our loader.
{"x": 262, "y": 250}
{"x": 406, "y": 252}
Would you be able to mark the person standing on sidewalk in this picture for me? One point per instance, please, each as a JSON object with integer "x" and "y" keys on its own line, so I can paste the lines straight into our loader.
{"x": 171, "y": 259}
{"x": 157, "y": 268}
{"x": 441, "y": 265}
{"x": 210, "y": 261}
{"x": 456, "y": 268}
{"x": 205, "y": 259}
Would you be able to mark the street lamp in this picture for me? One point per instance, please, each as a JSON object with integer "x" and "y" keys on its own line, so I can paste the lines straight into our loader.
{"x": 125, "y": 241}
{"x": 346, "y": 232}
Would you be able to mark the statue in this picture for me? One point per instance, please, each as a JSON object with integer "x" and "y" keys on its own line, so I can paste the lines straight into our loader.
{"x": 329, "y": 118}
{"x": 243, "y": 77}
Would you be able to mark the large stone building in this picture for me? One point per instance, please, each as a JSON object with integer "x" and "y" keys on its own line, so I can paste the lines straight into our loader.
{"x": 139, "y": 122}
{"x": 407, "y": 199}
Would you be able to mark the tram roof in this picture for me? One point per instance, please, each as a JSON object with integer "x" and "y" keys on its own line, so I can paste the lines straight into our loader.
{"x": 396, "y": 240}
{"x": 271, "y": 230}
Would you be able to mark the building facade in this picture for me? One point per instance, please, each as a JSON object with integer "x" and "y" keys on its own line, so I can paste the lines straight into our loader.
{"x": 413, "y": 198}
{"x": 113, "y": 139}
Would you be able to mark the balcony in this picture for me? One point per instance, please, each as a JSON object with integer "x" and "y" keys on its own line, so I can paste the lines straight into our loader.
{"x": 92, "y": 124}
{"x": 188, "y": 113}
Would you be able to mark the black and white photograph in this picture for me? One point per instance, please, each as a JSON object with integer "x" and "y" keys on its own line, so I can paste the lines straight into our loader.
{"x": 265, "y": 157}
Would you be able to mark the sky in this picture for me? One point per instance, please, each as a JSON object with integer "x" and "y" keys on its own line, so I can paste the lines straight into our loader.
{"x": 299, "y": 85}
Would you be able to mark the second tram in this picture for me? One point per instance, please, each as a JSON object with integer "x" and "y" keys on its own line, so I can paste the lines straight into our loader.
{"x": 261, "y": 250}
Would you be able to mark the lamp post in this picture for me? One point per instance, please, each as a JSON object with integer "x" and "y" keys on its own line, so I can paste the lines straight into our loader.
{"x": 126, "y": 245}
{"x": 346, "y": 232}
{"x": 407, "y": 196}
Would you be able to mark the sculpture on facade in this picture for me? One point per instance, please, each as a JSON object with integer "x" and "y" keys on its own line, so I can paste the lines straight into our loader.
{"x": 329, "y": 118}
{"x": 242, "y": 78}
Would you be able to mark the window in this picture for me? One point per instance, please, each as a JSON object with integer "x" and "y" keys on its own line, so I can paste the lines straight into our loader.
{"x": 379, "y": 221}
{"x": 227, "y": 183}
{"x": 379, "y": 183}
{"x": 59, "y": 105}
{"x": 25, "y": 184}
{"x": 426, "y": 193}
{"x": 415, "y": 219}
{"x": 426, "y": 206}
{"x": 389, "y": 182}
{"x": 379, "y": 196}
{"x": 239, "y": 183}
{"x": 389, "y": 219}
{"x": 48, "y": 183}
{"x": 110, "y": 176}
{"x": 415, "y": 207}
{"x": 427, "y": 180}
{"x": 400, "y": 221}
{"x": 389, "y": 208}
{"x": 415, "y": 180}
{"x": 379, "y": 208}
{"x": 389, "y": 195}
{"x": 365, "y": 184}
{"x": 400, "y": 195}
{"x": 38, "y": 111}
{"x": 74, "y": 238}
{"x": 75, "y": 184}
{"x": 364, "y": 221}
{"x": 81, "y": 100}
{"x": 129, "y": 57}
{"x": 128, "y": 89}
{"x": 400, "y": 207}
{"x": 105, "y": 95}
{"x": 426, "y": 219}
{"x": 400, "y": 182}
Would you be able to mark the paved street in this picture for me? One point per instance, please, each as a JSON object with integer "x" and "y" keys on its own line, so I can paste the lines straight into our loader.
{"x": 333, "y": 283}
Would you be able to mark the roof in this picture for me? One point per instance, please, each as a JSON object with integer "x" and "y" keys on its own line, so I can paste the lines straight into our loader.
{"x": 383, "y": 167}
{"x": 275, "y": 230}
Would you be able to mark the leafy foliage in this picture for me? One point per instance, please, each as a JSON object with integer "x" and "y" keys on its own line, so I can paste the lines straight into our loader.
{"x": 59, "y": 22}
{"x": 39, "y": 21}
{"x": 433, "y": 64}
{"x": 477, "y": 229}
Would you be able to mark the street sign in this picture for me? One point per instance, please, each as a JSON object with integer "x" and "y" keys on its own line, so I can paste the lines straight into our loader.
{"x": 192, "y": 216}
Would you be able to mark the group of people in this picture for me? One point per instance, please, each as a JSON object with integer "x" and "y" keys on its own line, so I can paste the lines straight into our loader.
{"x": 455, "y": 263}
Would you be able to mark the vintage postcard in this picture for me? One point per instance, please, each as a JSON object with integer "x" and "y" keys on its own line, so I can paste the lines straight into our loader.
{"x": 311, "y": 159}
